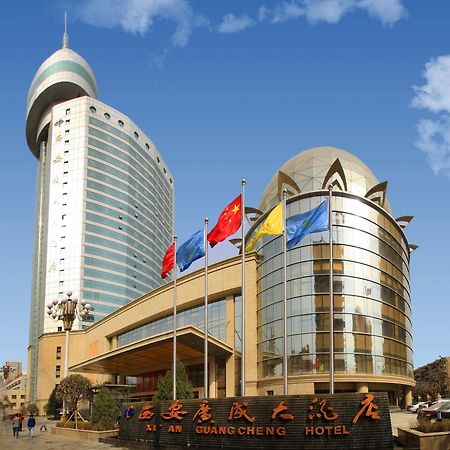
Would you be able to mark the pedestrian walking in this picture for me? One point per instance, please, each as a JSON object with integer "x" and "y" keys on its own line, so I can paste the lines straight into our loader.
{"x": 15, "y": 425}
{"x": 31, "y": 424}
{"x": 20, "y": 421}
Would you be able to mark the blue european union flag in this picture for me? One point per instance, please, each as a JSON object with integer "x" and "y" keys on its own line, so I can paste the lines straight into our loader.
{"x": 313, "y": 221}
{"x": 191, "y": 250}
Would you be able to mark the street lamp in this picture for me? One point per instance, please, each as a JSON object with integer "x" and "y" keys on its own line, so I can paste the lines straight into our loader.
{"x": 67, "y": 309}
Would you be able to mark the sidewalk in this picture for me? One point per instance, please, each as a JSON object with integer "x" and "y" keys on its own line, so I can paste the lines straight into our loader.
{"x": 45, "y": 440}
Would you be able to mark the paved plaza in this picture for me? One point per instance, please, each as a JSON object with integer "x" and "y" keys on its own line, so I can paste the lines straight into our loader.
{"x": 45, "y": 440}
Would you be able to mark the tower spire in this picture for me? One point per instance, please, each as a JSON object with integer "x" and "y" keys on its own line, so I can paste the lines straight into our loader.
{"x": 65, "y": 35}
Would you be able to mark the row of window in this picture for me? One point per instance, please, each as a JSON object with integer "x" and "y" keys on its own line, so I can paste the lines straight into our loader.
{"x": 307, "y": 329}
{"x": 164, "y": 194}
{"x": 348, "y": 304}
{"x": 342, "y": 285}
{"x": 194, "y": 316}
{"x": 126, "y": 138}
{"x": 343, "y": 363}
{"x": 121, "y": 124}
{"x": 148, "y": 191}
{"x": 348, "y": 209}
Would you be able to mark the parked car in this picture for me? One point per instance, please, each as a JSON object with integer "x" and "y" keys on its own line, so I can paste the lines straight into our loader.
{"x": 431, "y": 412}
{"x": 416, "y": 406}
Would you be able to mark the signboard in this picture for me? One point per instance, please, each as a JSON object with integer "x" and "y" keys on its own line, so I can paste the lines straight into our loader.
{"x": 339, "y": 421}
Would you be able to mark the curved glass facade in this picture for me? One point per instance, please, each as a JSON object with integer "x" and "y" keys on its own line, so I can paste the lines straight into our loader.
{"x": 128, "y": 216}
{"x": 372, "y": 306}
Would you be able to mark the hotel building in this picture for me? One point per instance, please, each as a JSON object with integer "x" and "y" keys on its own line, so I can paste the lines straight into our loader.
{"x": 372, "y": 305}
{"x": 104, "y": 200}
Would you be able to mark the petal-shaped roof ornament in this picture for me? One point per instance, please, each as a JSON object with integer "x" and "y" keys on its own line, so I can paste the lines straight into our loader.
{"x": 335, "y": 176}
{"x": 378, "y": 193}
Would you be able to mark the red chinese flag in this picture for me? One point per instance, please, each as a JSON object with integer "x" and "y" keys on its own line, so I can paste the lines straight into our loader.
{"x": 228, "y": 223}
{"x": 168, "y": 260}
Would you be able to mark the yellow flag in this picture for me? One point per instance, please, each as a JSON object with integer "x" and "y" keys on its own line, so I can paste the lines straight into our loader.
{"x": 272, "y": 225}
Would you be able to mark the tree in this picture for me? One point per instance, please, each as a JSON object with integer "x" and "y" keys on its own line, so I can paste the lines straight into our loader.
{"x": 73, "y": 389}
{"x": 165, "y": 385}
{"x": 104, "y": 409}
{"x": 32, "y": 409}
{"x": 54, "y": 404}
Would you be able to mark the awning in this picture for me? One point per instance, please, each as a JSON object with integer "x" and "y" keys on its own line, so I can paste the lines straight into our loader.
{"x": 153, "y": 353}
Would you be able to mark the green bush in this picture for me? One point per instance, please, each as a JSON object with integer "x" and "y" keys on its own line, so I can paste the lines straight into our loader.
{"x": 54, "y": 404}
{"x": 104, "y": 410}
{"x": 32, "y": 409}
{"x": 165, "y": 385}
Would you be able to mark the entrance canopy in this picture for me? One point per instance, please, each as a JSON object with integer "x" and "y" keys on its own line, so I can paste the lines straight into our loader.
{"x": 154, "y": 353}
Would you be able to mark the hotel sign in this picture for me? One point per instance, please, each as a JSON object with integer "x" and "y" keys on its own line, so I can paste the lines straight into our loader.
{"x": 340, "y": 421}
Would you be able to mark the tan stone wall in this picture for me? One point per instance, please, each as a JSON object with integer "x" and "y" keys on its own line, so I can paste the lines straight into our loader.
{"x": 224, "y": 280}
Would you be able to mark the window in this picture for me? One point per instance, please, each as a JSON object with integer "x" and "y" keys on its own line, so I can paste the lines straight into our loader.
{"x": 269, "y": 392}
{"x": 136, "y": 135}
{"x": 22, "y": 396}
{"x": 61, "y": 283}
{"x": 121, "y": 124}
{"x": 157, "y": 159}
{"x": 14, "y": 396}
{"x": 165, "y": 171}
{"x": 66, "y": 152}
{"x": 66, "y": 142}
{"x": 67, "y": 132}
{"x": 68, "y": 112}
{"x": 67, "y": 120}
{"x": 93, "y": 109}
{"x": 59, "y": 328}
{"x": 58, "y": 352}
{"x": 58, "y": 370}
{"x": 147, "y": 146}
{"x": 107, "y": 116}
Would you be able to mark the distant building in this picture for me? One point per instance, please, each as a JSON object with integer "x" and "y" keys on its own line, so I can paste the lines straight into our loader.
{"x": 13, "y": 387}
{"x": 433, "y": 379}
{"x": 104, "y": 201}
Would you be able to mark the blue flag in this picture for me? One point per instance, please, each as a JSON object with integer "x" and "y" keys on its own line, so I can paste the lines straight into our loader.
{"x": 298, "y": 226}
{"x": 191, "y": 250}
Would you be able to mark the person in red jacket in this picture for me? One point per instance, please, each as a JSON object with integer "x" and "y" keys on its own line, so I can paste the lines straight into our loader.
{"x": 20, "y": 421}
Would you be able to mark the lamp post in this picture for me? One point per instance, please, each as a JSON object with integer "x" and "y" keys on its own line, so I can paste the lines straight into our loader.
{"x": 67, "y": 309}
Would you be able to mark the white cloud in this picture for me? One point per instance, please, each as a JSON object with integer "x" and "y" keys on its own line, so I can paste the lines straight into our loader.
{"x": 332, "y": 11}
{"x": 139, "y": 16}
{"x": 434, "y": 140}
{"x": 388, "y": 11}
{"x": 234, "y": 24}
{"x": 435, "y": 94}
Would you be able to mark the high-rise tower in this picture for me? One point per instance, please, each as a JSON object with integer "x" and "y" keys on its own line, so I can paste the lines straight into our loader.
{"x": 104, "y": 198}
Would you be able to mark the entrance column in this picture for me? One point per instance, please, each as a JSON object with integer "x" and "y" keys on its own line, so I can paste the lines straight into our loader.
{"x": 407, "y": 397}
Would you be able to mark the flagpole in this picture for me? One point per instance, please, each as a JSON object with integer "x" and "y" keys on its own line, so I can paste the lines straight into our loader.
{"x": 205, "y": 243}
{"x": 243, "y": 289}
{"x": 285, "y": 351}
{"x": 330, "y": 240}
{"x": 174, "y": 362}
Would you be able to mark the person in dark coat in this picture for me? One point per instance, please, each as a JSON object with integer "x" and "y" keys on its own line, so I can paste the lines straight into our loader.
{"x": 31, "y": 424}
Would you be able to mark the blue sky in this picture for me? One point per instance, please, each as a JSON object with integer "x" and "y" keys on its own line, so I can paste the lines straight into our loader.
{"x": 232, "y": 89}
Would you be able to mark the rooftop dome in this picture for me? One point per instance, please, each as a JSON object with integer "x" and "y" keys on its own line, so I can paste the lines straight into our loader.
{"x": 309, "y": 168}
{"x": 63, "y": 76}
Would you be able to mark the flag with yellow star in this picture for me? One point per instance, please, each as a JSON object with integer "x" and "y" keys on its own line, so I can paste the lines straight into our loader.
{"x": 228, "y": 223}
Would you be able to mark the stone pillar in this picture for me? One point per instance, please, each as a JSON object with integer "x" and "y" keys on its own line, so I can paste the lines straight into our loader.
{"x": 229, "y": 339}
{"x": 407, "y": 396}
{"x": 212, "y": 376}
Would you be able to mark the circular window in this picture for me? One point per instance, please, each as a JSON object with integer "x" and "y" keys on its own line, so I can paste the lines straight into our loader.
{"x": 92, "y": 109}
{"x": 170, "y": 179}
{"x": 165, "y": 171}
{"x": 107, "y": 116}
{"x": 136, "y": 135}
{"x": 121, "y": 124}
{"x": 147, "y": 146}
{"x": 157, "y": 159}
